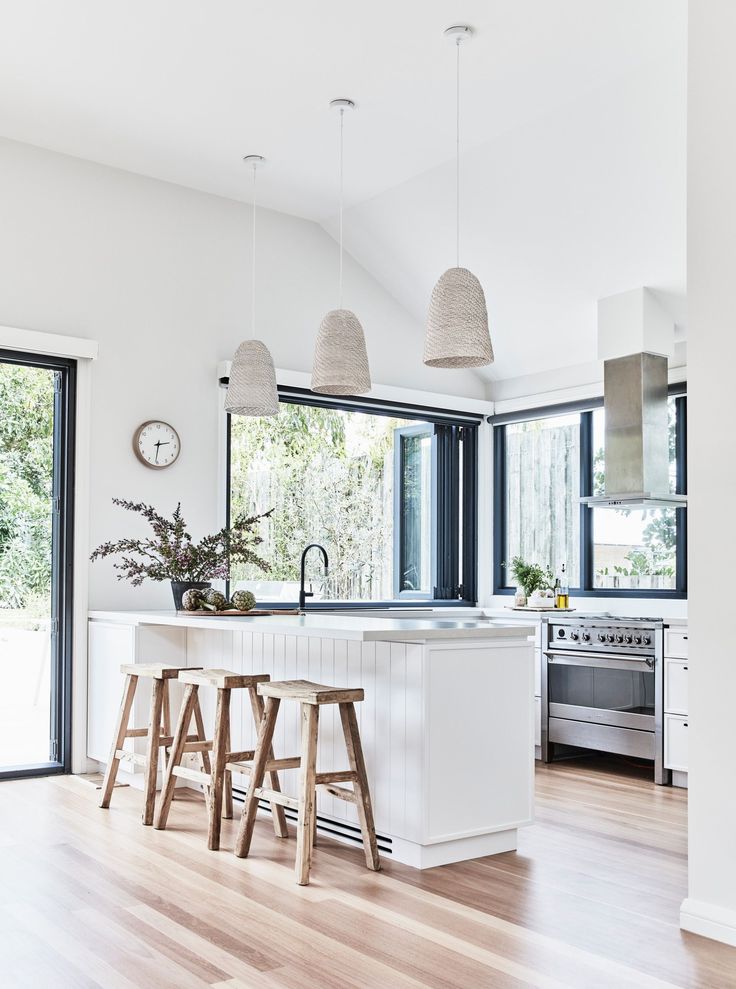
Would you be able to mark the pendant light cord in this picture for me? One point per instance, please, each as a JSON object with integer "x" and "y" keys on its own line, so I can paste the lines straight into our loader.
{"x": 457, "y": 156}
{"x": 253, "y": 264}
{"x": 342, "y": 121}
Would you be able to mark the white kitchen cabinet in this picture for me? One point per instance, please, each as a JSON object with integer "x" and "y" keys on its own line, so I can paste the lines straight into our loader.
{"x": 675, "y": 686}
{"x": 109, "y": 646}
{"x": 675, "y": 643}
{"x": 537, "y": 672}
{"x": 675, "y": 742}
{"x": 676, "y": 665}
{"x": 538, "y": 722}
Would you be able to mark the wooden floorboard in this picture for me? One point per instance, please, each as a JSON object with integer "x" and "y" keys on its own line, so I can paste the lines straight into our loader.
{"x": 91, "y": 898}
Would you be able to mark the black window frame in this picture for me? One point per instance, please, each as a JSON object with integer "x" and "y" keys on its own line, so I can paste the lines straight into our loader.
{"x": 587, "y": 588}
{"x": 62, "y": 589}
{"x": 456, "y": 549}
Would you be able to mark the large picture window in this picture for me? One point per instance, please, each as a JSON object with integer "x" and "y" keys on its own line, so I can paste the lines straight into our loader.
{"x": 543, "y": 465}
{"x": 382, "y": 488}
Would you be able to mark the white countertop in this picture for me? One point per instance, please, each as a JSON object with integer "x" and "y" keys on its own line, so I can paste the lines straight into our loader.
{"x": 362, "y": 629}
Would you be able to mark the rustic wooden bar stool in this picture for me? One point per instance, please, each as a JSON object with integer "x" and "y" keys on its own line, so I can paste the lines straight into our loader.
{"x": 158, "y": 734}
{"x": 217, "y": 778}
{"x": 310, "y": 696}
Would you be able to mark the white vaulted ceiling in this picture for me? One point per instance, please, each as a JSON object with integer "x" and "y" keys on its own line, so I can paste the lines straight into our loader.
{"x": 573, "y": 134}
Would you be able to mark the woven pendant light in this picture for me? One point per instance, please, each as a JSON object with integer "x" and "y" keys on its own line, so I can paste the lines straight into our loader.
{"x": 340, "y": 356}
{"x": 252, "y": 389}
{"x": 457, "y": 323}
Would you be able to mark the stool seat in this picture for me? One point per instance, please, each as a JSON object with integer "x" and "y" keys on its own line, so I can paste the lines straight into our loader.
{"x": 154, "y": 671}
{"x": 307, "y": 692}
{"x": 223, "y": 679}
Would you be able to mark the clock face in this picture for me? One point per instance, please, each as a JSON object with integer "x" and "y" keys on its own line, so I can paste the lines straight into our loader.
{"x": 156, "y": 444}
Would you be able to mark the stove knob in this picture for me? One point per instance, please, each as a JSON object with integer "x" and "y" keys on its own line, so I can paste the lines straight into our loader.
{"x": 586, "y": 636}
{"x": 610, "y": 637}
{"x": 637, "y": 640}
{"x": 573, "y": 636}
{"x": 646, "y": 640}
{"x": 629, "y": 638}
{"x": 619, "y": 638}
{"x": 601, "y": 637}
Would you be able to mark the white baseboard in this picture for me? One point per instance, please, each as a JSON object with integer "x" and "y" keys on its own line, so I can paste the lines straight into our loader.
{"x": 708, "y": 920}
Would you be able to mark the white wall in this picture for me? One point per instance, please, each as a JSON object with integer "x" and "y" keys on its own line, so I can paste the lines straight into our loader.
{"x": 160, "y": 276}
{"x": 711, "y": 906}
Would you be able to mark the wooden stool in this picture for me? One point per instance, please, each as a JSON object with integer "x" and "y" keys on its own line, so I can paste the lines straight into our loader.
{"x": 310, "y": 696}
{"x": 160, "y": 674}
{"x": 217, "y": 779}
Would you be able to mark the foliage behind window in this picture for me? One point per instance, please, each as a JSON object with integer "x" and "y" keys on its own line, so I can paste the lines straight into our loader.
{"x": 26, "y": 470}
{"x": 328, "y": 475}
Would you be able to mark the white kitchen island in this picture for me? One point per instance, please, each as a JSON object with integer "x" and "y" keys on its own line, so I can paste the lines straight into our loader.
{"x": 447, "y": 722}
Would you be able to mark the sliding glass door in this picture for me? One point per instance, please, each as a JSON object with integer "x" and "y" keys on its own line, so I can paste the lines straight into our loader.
{"x": 36, "y": 490}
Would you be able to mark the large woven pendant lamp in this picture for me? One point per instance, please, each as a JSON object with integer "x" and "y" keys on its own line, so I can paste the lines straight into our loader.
{"x": 252, "y": 388}
{"x": 457, "y": 323}
{"x": 340, "y": 357}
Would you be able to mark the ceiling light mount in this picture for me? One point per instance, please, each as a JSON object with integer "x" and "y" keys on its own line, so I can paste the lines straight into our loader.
{"x": 342, "y": 104}
{"x": 255, "y": 161}
{"x": 459, "y": 33}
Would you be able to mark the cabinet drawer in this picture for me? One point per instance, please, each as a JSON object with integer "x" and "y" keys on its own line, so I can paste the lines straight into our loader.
{"x": 675, "y": 742}
{"x": 675, "y": 686}
{"x": 675, "y": 643}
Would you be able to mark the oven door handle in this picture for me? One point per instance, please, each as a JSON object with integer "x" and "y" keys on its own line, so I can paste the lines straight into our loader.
{"x": 570, "y": 658}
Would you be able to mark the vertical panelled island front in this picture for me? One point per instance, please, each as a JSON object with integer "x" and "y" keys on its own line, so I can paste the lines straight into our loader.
{"x": 447, "y": 722}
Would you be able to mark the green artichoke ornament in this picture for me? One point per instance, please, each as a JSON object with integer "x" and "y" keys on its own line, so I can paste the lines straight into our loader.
{"x": 243, "y": 601}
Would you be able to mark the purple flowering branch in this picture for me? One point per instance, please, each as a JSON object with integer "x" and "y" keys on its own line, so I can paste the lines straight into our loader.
{"x": 172, "y": 554}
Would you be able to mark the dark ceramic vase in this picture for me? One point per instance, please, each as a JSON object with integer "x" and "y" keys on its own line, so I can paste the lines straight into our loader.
{"x": 179, "y": 586}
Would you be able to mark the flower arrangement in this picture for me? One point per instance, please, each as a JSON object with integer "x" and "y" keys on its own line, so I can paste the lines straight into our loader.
{"x": 171, "y": 554}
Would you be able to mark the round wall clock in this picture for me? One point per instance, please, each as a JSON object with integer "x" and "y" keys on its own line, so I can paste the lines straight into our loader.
{"x": 156, "y": 444}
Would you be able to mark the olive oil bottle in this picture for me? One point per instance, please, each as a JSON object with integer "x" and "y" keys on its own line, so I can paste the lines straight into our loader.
{"x": 562, "y": 591}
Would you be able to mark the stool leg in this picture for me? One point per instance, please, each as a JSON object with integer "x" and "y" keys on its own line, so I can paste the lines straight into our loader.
{"x": 219, "y": 758}
{"x": 227, "y": 811}
{"x": 177, "y": 750}
{"x": 201, "y": 737}
{"x": 121, "y": 727}
{"x": 166, "y": 730}
{"x": 362, "y": 790}
{"x": 152, "y": 749}
{"x": 307, "y": 792}
{"x": 277, "y": 811}
{"x": 263, "y": 748}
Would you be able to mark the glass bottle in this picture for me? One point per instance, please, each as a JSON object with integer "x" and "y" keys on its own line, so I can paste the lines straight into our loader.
{"x": 562, "y": 591}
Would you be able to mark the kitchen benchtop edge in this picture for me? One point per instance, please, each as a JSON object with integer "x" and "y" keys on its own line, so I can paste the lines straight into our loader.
{"x": 353, "y": 627}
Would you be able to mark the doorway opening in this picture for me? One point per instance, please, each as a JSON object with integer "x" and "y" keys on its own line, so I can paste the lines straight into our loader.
{"x": 37, "y": 403}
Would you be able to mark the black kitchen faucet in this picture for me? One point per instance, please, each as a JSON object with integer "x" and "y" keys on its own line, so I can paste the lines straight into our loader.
{"x": 303, "y": 595}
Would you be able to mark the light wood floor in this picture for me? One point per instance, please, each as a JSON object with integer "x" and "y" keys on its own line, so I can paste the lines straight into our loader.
{"x": 91, "y": 898}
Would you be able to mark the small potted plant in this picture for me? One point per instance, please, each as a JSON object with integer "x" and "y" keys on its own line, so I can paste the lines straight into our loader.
{"x": 171, "y": 554}
{"x": 531, "y": 577}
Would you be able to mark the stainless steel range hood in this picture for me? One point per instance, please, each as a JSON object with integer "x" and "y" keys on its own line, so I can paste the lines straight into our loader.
{"x": 637, "y": 435}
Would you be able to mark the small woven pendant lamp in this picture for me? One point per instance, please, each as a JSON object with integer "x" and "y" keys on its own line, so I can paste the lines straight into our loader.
{"x": 457, "y": 323}
{"x": 340, "y": 356}
{"x": 252, "y": 387}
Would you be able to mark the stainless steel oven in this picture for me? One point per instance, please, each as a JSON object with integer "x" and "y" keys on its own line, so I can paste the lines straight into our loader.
{"x": 602, "y": 687}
